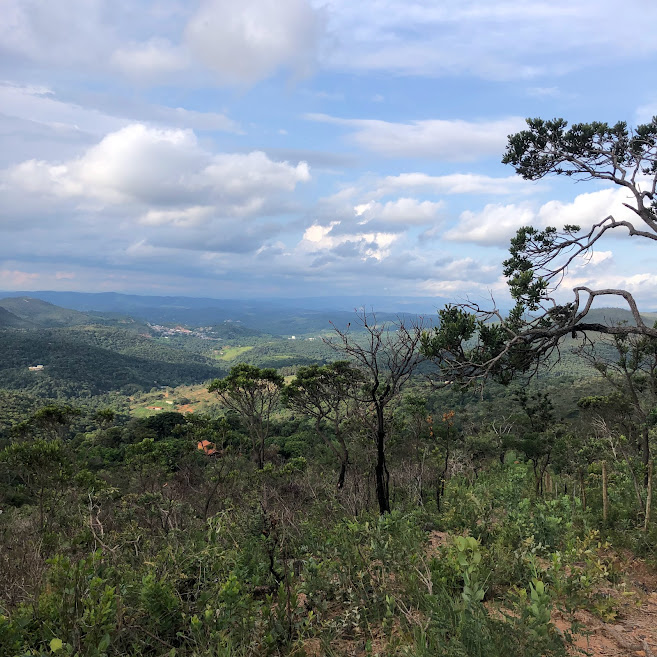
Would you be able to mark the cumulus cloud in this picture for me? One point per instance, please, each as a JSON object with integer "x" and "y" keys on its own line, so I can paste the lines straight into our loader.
{"x": 240, "y": 43}
{"x": 453, "y": 140}
{"x": 162, "y": 167}
{"x": 596, "y": 259}
{"x": 323, "y": 240}
{"x": 641, "y": 285}
{"x": 247, "y": 42}
{"x": 496, "y": 224}
{"x": 401, "y": 213}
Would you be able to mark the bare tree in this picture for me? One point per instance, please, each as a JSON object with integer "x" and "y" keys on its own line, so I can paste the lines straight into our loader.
{"x": 387, "y": 354}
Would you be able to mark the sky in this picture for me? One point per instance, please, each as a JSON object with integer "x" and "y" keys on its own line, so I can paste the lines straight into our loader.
{"x": 282, "y": 148}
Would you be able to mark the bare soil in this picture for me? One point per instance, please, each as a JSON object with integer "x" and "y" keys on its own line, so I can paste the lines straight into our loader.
{"x": 634, "y": 631}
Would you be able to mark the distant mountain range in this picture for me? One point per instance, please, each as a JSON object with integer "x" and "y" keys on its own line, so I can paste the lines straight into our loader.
{"x": 245, "y": 317}
{"x": 274, "y": 316}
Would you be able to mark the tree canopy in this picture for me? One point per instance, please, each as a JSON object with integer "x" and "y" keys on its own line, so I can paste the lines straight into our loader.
{"x": 473, "y": 343}
{"x": 252, "y": 393}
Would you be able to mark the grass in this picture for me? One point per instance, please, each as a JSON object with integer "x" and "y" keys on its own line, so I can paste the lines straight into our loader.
{"x": 231, "y": 353}
{"x": 142, "y": 411}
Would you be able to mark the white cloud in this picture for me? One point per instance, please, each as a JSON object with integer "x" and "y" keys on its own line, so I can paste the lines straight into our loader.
{"x": 247, "y": 173}
{"x": 162, "y": 167}
{"x": 151, "y": 60}
{"x": 248, "y": 41}
{"x": 497, "y": 40}
{"x": 454, "y": 140}
{"x": 65, "y": 32}
{"x": 361, "y": 245}
{"x": 461, "y": 289}
{"x": 192, "y": 216}
{"x": 596, "y": 259}
{"x": 641, "y": 285}
{"x": 39, "y": 105}
{"x": 496, "y": 224}
{"x": 456, "y": 183}
{"x": 402, "y": 212}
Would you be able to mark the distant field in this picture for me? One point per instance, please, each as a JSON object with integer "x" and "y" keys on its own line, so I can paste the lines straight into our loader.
{"x": 142, "y": 411}
{"x": 231, "y": 353}
{"x": 186, "y": 399}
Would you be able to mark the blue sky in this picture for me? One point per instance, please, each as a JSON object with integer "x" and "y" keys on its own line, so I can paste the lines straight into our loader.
{"x": 303, "y": 147}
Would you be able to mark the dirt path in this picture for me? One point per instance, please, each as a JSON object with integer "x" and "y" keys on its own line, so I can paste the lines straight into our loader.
{"x": 634, "y": 631}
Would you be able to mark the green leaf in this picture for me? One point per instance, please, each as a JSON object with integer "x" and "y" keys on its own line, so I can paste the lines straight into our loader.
{"x": 104, "y": 643}
{"x": 56, "y": 645}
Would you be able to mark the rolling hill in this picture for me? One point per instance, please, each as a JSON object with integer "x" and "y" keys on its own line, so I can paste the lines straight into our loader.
{"x": 10, "y": 320}
{"x": 39, "y": 313}
{"x": 80, "y": 364}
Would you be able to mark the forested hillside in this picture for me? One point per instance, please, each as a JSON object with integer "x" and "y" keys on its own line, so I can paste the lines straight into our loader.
{"x": 93, "y": 361}
{"x": 9, "y": 320}
{"x": 36, "y": 312}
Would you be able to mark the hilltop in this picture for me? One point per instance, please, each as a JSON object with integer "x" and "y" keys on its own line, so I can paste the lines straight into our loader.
{"x": 39, "y": 313}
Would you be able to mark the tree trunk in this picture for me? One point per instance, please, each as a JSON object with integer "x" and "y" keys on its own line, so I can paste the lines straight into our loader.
{"x": 259, "y": 453}
{"x": 605, "y": 500}
{"x": 645, "y": 453}
{"x": 637, "y": 488}
{"x": 342, "y": 475}
{"x": 582, "y": 490}
{"x": 648, "y": 498}
{"x": 381, "y": 471}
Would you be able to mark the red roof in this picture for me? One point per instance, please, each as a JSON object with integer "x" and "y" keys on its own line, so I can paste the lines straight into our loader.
{"x": 207, "y": 447}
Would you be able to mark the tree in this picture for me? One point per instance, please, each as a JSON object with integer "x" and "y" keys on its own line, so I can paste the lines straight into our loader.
{"x": 611, "y": 418}
{"x": 253, "y": 394}
{"x": 415, "y": 431}
{"x": 42, "y": 467}
{"x": 54, "y": 421}
{"x": 328, "y": 394}
{"x": 472, "y": 343}
{"x": 632, "y": 371}
{"x": 537, "y": 434}
{"x": 387, "y": 354}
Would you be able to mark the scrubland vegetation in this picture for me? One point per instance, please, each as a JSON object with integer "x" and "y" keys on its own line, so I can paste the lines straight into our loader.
{"x": 120, "y": 537}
